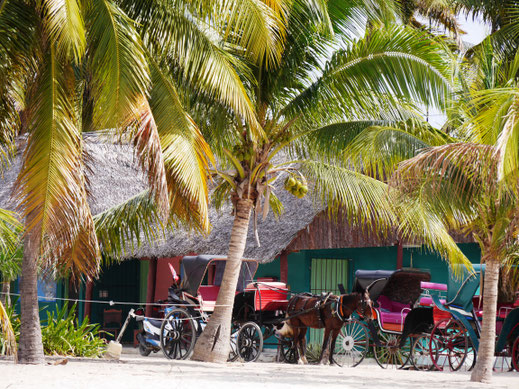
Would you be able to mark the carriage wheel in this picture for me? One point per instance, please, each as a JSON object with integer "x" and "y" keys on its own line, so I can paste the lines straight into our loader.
{"x": 515, "y": 354}
{"x": 420, "y": 353}
{"x": 450, "y": 344}
{"x": 390, "y": 354}
{"x": 289, "y": 352}
{"x": 352, "y": 344}
{"x": 250, "y": 342}
{"x": 177, "y": 334}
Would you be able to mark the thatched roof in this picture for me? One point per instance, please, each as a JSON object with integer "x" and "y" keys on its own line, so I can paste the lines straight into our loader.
{"x": 113, "y": 175}
{"x": 274, "y": 235}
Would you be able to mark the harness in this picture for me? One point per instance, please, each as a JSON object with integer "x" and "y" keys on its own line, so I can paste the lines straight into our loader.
{"x": 320, "y": 303}
{"x": 338, "y": 308}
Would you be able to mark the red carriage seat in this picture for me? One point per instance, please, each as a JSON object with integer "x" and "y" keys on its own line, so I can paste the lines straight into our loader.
{"x": 269, "y": 295}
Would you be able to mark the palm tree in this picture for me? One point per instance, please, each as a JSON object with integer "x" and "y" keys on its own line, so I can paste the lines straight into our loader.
{"x": 305, "y": 107}
{"x": 68, "y": 67}
{"x": 472, "y": 184}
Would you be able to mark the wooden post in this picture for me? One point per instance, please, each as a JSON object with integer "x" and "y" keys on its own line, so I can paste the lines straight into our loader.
{"x": 399, "y": 255}
{"x": 89, "y": 290}
{"x": 283, "y": 267}
{"x": 152, "y": 280}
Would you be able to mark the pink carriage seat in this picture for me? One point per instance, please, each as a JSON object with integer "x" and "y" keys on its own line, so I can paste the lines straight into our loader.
{"x": 427, "y": 301}
{"x": 208, "y": 294}
{"x": 392, "y": 311}
{"x": 433, "y": 286}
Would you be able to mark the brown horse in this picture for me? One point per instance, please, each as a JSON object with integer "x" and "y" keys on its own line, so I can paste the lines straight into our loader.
{"x": 328, "y": 312}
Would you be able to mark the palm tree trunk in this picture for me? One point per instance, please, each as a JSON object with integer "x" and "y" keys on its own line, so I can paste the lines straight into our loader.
{"x": 30, "y": 349}
{"x": 214, "y": 343}
{"x": 485, "y": 357}
{"x": 6, "y": 289}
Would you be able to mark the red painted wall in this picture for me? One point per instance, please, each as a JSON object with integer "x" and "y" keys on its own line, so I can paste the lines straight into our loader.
{"x": 164, "y": 278}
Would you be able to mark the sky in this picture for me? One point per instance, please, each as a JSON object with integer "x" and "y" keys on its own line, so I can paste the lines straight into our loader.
{"x": 476, "y": 32}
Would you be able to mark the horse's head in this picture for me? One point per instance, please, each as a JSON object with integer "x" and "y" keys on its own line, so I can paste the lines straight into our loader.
{"x": 284, "y": 329}
{"x": 365, "y": 306}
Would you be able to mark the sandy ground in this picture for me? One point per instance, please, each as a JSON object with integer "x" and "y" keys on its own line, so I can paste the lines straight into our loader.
{"x": 134, "y": 371}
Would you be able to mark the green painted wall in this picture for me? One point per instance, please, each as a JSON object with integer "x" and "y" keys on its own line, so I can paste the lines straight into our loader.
{"x": 370, "y": 258}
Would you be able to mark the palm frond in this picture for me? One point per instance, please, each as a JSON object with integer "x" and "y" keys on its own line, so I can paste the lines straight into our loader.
{"x": 363, "y": 199}
{"x": 117, "y": 64}
{"x": 450, "y": 178}
{"x": 377, "y": 150}
{"x": 8, "y": 332}
{"x": 50, "y": 188}
{"x": 10, "y": 230}
{"x": 125, "y": 227}
{"x": 186, "y": 153}
{"x": 389, "y": 61}
{"x": 63, "y": 24}
{"x": 497, "y": 122}
{"x": 257, "y": 26}
{"x": 197, "y": 52}
{"x": 120, "y": 82}
{"x": 418, "y": 222}
{"x": 331, "y": 140}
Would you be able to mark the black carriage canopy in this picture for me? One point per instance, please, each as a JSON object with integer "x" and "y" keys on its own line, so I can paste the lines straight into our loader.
{"x": 195, "y": 267}
{"x": 402, "y": 285}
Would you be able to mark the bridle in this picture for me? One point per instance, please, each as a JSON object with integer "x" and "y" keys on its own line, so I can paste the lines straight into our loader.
{"x": 364, "y": 305}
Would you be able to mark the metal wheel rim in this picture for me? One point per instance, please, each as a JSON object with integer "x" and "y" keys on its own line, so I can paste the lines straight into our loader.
{"x": 458, "y": 345}
{"x": 352, "y": 344}
{"x": 420, "y": 353}
{"x": 177, "y": 334}
{"x": 289, "y": 351}
{"x": 451, "y": 344}
{"x": 390, "y": 354}
{"x": 250, "y": 342}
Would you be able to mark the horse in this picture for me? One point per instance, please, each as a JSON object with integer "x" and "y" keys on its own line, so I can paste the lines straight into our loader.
{"x": 328, "y": 312}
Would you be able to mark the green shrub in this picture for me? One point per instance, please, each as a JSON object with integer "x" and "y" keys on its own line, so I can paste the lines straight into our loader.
{"x": 63, "y": 335}
{"x": 313, "y": 352}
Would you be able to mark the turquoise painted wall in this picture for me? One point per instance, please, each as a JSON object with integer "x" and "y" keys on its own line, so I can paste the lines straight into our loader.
{"x": 370, "y": 258}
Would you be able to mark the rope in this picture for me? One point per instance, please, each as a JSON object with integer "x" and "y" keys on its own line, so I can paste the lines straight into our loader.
{"x": 111, "y": 302}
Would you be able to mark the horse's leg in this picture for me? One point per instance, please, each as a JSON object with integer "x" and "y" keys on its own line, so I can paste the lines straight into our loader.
{"x": 302, "y": 344}
{"x": 297, "y": 342}
{"x": 324, "y": 349}
{"x": 335, "y": 334}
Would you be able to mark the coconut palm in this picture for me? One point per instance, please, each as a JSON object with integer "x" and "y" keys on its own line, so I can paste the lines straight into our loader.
{"x": 71, "y": 66}
{"x": 309, "y": 100}
{"x": 471, "y": 183}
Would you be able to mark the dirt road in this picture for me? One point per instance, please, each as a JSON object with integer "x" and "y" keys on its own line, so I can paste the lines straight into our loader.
{"x": 156, "y": 372}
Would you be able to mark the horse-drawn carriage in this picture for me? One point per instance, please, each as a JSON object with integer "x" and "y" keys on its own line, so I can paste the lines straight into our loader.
{"x": 398, "y": 318}
{"x": 454, "y": 340}
{"x": 259, "y": 305}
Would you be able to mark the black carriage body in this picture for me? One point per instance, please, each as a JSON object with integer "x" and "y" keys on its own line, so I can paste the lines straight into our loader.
{"x": 194, "y": 269}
